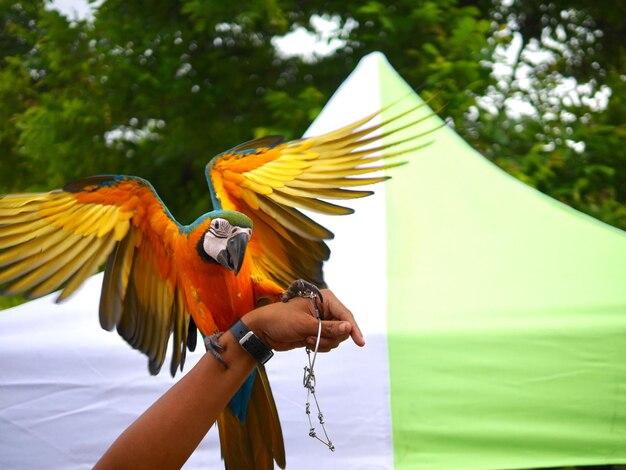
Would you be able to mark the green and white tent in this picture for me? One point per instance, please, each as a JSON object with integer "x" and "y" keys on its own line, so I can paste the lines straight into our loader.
{"x": 495, "y": 320}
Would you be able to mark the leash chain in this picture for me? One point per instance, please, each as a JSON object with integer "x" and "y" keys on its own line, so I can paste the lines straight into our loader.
{"x": 301, "y": 288}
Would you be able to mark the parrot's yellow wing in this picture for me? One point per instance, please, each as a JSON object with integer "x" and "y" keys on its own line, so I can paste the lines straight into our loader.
{"x": 271, "y": 181}
{"x": 55, "y": 240}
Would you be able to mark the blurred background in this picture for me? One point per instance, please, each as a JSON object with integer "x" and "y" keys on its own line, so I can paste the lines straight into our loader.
{"x": 156, "y": 88}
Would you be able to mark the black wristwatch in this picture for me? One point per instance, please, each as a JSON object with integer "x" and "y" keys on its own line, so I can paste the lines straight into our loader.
{"x": 251, "y": 342}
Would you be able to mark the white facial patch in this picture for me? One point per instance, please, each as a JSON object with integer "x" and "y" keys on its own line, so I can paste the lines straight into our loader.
{"x": 216, "y": 239}
{"x": 212, "y": 245}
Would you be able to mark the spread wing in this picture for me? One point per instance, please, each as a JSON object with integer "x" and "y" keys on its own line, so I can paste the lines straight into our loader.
{"x": 271, "y": 181}
{"x": 55, "y": 240}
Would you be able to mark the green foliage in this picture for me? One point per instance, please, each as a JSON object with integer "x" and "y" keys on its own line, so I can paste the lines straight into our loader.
{"x": 571, "y": 147}
{"x": 156, "y": 88}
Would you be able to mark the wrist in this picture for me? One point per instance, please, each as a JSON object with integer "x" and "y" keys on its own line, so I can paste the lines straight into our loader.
{"x": 234, "y": 353}
{"x": 254, "y": 320}
{"x": 247, "y": 332}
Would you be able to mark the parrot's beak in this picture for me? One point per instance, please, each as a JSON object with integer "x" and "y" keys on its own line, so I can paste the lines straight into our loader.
{"x": 232, "y": 256}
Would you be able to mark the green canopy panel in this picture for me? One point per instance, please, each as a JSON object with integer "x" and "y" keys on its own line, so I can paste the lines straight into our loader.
{"x": 506, "y": 315}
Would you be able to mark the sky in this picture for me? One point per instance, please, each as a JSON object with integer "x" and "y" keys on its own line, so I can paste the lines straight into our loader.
{"x": 74, "y": 9}
{"x": 308, "y": 45}
{"x": 298, "y": 42}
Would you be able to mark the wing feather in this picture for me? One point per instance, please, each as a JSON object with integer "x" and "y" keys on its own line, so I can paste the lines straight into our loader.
{"x": 56, "y": 240}
{"x": 21, "y": 237}
{"x": 272, "y": 185}
{"x": 30, "y": 248}
{"x": 97, "y": 258}
{"x": 313, "y": 204}
{"x": 68, "y": 268}
{"x": 331, "y": 193}
{"x": 47, "y": 269}
{"x": 333, "y": 183}
{"x": 294, "y": 220}
{"x": 37, "y": 259}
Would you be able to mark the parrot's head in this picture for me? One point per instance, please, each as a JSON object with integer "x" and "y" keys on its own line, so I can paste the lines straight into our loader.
{"x": 226, "y": 239}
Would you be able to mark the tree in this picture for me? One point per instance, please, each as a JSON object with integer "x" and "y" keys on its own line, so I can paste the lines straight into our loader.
{"x": 565, "y": 64}
{"x": 157, "y": 88}
{"x": 175, "y": 83}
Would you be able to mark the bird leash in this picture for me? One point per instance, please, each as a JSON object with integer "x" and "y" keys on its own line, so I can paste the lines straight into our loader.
{"x": 302, "y": 288}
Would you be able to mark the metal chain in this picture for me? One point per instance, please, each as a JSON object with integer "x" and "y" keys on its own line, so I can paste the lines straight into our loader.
{"x": 304, "y": 289}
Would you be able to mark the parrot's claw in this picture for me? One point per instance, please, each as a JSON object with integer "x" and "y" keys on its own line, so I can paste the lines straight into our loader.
{"x": 215, "y": 348}
{"x": 302, "y": 288}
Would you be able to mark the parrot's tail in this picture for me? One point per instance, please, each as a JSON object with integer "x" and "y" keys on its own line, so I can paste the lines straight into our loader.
{"x": 256, "y": 441}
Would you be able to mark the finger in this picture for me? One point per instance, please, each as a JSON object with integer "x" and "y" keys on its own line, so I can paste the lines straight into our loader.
{"x": 327, "y": 347}
{"x": 306, "y": 326}
{"x": 333, "y": 329}
{"x": 339, "y": 311}
{"x": 325, "y": 343}
{"x": 277, "y": 346}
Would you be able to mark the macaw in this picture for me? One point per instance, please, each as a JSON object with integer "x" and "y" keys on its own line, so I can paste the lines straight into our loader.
{"x": 163, "y": 279}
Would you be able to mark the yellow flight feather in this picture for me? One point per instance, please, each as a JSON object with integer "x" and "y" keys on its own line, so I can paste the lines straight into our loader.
{"x": 16, "y": 229}
{"x": 250, "y": 198}
{"x": 6, "y": 242}
{"x": 53, "y": 208}
{"x": 89, "y": 268}
{"x": 65, "y": 217}
{"x": 121, "y": 229}
{"x": 331, "y": 193}
{"x": 47, "y": 269}
{"x": 322, "y": 175}
{"x": 167, "y": 302}
{"x": 283, "y": 164}
{"x": 336, "y": 182}
{"x": 68, "y": 268}
{"x": 30, "y": 248}
{"x": 268, "y": 183}
{"x": 11, "y": 201}
{"x": 107, "y": 223}
{"x": 90, "y": 225}
{"x": 81, "y": 216}
{"x": 355, "y": 136}
{"x": 30, "y": 263}
{"x": 294, "y": 220}
{"x": 258, "y": 184}
{"x": 308, "y": 203}
{"x": 17, "y": 219}
{"x": 278, "y": 174}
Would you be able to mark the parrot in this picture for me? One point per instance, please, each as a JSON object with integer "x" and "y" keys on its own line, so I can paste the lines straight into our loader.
{"x": 164, "y": 280}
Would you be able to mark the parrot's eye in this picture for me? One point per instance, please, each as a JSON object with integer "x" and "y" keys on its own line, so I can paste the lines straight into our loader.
{"x": 220, "y": 228}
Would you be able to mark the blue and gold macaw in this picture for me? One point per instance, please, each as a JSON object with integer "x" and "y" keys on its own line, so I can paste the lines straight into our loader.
{"x": 165, "y": 279}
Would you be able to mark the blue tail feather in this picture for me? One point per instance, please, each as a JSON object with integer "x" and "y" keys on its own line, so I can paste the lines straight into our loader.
{"x": 239, "y": 402}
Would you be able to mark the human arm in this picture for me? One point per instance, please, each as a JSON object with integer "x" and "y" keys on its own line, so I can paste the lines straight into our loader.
{"x": 167, "y": 433}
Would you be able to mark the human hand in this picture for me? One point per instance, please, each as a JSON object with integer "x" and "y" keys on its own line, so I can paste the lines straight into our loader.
{"x": 289, "y": 325}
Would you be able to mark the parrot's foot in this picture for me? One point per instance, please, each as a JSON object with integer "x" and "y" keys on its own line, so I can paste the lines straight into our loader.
{"x": 215, "y": 348}
{"x": 302, "y": 288}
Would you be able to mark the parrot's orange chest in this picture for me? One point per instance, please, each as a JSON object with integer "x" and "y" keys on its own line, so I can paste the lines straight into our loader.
{"x": 216, "y": 296}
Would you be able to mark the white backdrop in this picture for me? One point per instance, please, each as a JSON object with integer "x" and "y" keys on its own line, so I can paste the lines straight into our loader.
{"x": 68, "y": 388}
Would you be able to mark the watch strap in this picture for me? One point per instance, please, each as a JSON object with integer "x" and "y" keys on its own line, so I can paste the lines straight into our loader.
{"x": 251, "y": 342}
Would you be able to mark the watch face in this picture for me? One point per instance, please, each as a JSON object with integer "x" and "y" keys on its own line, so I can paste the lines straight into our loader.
{"x": 267, "y": 357}
{"x": 257, "y": 348}
{"x": 246, "y": 337}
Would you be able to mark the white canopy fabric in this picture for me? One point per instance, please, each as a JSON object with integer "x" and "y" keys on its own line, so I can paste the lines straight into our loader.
{"x": 494, "y": 318}
{"x": 69, "y": 388}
